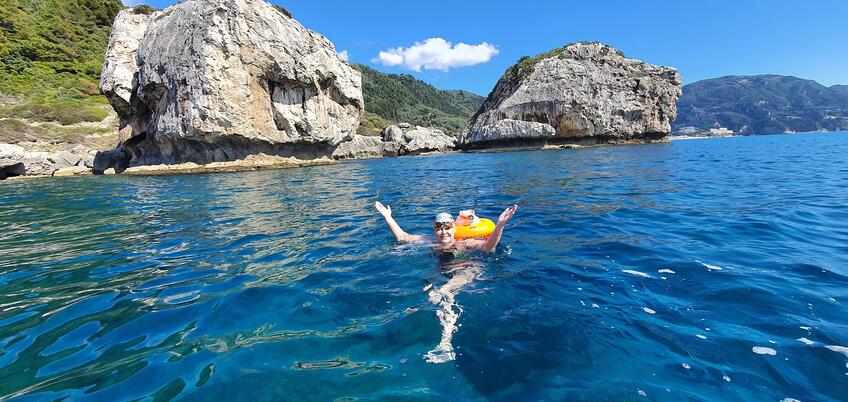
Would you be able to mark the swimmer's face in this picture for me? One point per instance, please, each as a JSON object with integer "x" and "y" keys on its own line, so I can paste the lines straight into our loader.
{"x": 444, "y": 231}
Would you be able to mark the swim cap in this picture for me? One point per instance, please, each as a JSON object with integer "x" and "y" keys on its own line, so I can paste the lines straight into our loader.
{"x": 444, "y": 217}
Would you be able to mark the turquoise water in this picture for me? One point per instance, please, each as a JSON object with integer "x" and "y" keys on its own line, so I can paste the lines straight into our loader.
{"x": 647, "y": 272}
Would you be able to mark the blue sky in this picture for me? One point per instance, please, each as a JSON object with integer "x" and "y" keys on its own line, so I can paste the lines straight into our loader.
{"x": 701, "y": 39}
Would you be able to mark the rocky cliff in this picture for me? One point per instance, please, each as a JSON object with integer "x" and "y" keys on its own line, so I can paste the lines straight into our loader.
{"x": 584, "y": 93}
{"x": 216, "y": 80}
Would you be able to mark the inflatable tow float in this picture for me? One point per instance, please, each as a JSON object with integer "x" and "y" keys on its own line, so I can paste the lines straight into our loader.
{"x": 469, "y": 226}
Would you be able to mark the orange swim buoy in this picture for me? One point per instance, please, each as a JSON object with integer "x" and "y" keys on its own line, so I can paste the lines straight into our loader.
{"x": 469, "y": 226}
{"x": 482, "y": 229}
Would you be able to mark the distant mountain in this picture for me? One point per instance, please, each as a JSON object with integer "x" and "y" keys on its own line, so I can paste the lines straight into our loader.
{"x": 395, "y": 98}
{"x": 840, "y": 88}
{"x": 762, "y": 104}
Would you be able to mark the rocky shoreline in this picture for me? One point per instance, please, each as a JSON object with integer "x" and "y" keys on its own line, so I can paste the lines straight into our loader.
{"x": 251, "y": 163}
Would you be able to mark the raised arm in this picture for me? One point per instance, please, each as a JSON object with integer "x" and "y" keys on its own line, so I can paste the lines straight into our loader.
{"x": 493, "y": 240}
{"x": 400, "y": 235}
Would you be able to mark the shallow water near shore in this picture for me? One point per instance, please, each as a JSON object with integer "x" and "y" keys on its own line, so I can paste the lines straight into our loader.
{"x": 702, "y": 270}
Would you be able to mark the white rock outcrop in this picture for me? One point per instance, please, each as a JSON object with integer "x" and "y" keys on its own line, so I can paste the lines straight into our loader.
{"x": 423, "y": 139}
{"x": 361, "y": 146}
{"x": 120, "y": 65}
{"x": 11, "y": 161}
{"x": 581, "y": 93}
{"x": 217, "y": 80}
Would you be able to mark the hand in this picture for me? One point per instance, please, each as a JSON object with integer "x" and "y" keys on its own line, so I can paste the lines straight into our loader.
{"x": 384, "y": 210}
{"x": 507, "y": 214}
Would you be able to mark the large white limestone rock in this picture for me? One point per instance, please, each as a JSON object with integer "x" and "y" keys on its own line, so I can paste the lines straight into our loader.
{"x": 217, "y": 80}
{"x": 584, "y": 93}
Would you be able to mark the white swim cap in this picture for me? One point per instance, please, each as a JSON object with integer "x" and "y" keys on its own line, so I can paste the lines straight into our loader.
{"x": 444, "y": 217}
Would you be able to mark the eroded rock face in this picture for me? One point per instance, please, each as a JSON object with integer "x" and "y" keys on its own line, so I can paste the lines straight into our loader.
{"x": 393, "y": 134}
{"x": 361, "y": 146}
{"x": 509, "y": 129}
{"x": 423, "y": 139}
{"x": 11, "y": 161}
{"x": 219, "y": 80}
{"x": 397, "y": 140}
{"x": 120, "y": 66}
{"x": 581, "y": 93}
{"x": 10, "y": 154}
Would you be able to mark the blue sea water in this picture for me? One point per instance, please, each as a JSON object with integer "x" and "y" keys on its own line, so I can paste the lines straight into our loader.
{"x": 695, "y": 270}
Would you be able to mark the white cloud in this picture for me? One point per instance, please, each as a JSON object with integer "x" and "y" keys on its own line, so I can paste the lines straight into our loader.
{"x": 436, "y": 54}
{"x": 344, "y": 55}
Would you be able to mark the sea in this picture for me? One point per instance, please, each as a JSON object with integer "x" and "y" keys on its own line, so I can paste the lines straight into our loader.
{"x": 704, "y": 270}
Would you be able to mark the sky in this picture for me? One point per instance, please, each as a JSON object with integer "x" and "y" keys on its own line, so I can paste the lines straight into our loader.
{"x": 468, "y": 45}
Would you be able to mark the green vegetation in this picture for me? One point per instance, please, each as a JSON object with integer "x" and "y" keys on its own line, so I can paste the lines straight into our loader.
{"x": 51, "y": 52}
{"x": 14, "y": 131}
{"x": 283, "y": 10}
{"x": 372, "y": 124}
{"x": 393, "y": 98}
{"x": 144, "y": 9}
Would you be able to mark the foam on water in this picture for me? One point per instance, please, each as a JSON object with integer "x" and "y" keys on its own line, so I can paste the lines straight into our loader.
{"x": 709, "y": 266}
{"x": 762, "y": 350}
{"x": 637, "y": 273}
{"x": 838, "y": 349}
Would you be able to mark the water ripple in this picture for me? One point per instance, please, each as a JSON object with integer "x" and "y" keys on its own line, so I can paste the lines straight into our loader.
{"x": 706, "y": 270}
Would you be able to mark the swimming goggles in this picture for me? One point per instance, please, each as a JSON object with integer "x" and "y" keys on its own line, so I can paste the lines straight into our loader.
{"x": 446, "y": 225}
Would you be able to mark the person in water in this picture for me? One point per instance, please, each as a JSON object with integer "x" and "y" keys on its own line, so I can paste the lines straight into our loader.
{"x": 460, "y": 271}
{"x": 444, "y": 229}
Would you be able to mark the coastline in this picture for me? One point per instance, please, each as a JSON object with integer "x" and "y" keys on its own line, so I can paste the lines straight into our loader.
{"x": 697, "y": 137}
{"x": 266, "y": 162}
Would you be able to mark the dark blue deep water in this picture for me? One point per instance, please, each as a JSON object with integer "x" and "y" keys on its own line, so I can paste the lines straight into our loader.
{"x": 694, "y": 270}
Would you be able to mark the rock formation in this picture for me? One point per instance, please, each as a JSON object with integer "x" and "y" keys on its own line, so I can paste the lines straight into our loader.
{"x": 216, "y": 80}
{"x": 419, "y": 139}
{"x": 17, "y": 161}
{"x": 583, "y": 93}
{"x": 362, "y": 146}
{"x": 400, "y": 139}
{"x": 11, "y": 161}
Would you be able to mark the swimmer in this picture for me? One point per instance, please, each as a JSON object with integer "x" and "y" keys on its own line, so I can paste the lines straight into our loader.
{"x": 460, "y": 271}
{"x": 444, "y": 229}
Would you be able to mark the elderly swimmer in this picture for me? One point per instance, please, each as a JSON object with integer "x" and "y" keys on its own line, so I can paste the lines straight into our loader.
{"x": 444, "y": 230}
